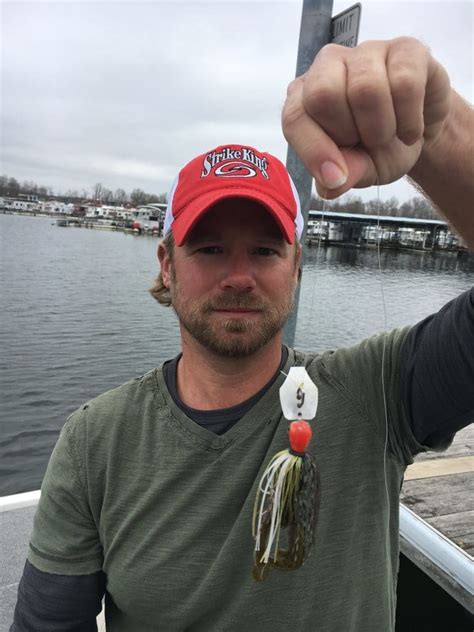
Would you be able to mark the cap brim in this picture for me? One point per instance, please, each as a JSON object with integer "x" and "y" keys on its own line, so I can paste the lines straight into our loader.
{"x": 185, "y": 222}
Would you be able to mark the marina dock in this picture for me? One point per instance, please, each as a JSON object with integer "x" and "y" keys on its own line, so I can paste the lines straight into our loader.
{"x": 325, "y": 229}
{"x": 385, "y": 231}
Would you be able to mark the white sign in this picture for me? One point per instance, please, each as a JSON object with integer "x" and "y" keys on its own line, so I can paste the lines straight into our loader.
{"x": 298, "y": 395}
{"x": 345, "y": 26}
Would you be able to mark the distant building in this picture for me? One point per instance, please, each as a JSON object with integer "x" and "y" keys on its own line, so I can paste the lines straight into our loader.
{"x": 108, "y": 212}
{"x": 389, "y": 231}
{"x": 57, "y": 207}
{"x": 21, "y": 203}
{"x": 27, "y": 197}
{"x": 150, "y": 216}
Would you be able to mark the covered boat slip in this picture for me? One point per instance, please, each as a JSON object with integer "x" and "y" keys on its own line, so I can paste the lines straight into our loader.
{"x": 436, "y": 525}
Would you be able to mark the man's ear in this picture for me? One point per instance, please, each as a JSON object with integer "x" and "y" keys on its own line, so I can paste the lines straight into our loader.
{"x": 298, "y": 257}
{"x": 165, "y": 264}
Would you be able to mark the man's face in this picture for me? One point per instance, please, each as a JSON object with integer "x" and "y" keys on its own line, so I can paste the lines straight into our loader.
{"x": 233, "y": 281}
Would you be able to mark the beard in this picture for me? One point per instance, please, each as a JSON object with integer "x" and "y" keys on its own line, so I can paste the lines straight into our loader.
{"x": 232, "y": 337}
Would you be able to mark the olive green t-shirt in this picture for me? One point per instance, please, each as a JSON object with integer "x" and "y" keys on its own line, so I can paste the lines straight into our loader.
{"x": 164, "y": 507}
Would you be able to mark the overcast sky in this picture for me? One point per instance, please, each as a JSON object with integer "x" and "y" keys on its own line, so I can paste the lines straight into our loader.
{"x": 124, "y": 93}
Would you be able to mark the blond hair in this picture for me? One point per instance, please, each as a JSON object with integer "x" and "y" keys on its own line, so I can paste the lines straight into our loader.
{"x": 158, "y": 290}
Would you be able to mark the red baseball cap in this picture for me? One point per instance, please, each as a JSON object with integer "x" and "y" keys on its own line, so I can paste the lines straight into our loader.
{"x": 230, "y": 171}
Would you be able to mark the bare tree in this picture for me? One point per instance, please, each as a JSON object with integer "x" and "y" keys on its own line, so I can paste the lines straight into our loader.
{"x": 138, "y": 197}
{"x": 353, "y": 204}
{"x": 120, "y": 197}
{"x": 71, "y": 194}
{"x": 390, "y": 206}
{"x": 97, "y": 192}
{"x": 423, "y": 208}
{"x": 3, "y": 185}
{"x": 13, "y": 187}
{"x": 107, "y": 196}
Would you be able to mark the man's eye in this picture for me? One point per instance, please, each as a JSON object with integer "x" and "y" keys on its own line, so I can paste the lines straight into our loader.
{"x": 210, "y": 250}
{"x": 265, "y": 252}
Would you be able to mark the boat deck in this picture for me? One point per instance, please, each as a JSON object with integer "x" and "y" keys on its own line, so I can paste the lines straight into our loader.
{"x": 439, "y": 487}
{"x": 436, "y": 525}
{"x": 438, "y": 494}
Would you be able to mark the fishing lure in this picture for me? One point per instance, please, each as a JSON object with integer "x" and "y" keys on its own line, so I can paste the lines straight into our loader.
{"x": 288, "y": 496}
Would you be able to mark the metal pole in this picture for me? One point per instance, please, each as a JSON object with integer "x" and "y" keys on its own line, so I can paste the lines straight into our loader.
{"x": 315, "y": 32}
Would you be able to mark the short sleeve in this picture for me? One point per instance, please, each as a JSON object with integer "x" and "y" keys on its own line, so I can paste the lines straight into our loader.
{"x": 369, "y": 373}
{"x": 65, "y": 539}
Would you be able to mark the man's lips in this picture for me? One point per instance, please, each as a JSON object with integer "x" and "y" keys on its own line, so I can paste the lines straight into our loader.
{"x": 237, "y": 310}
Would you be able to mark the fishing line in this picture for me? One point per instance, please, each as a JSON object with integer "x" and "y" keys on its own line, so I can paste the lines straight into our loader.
{"x": 382, "y": 376}
{"x": 316, "y": 267}
{"x": 384, "y": 310}
{"x": 318, "y": 253}
{"x": 283, "y": 464}
{"x": 382, "y": 372}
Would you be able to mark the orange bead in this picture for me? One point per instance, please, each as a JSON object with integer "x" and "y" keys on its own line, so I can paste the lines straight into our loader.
{"x": 299, "y": 434}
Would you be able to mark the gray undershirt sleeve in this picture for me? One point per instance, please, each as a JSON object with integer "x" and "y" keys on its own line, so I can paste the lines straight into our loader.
{"x": 437, "y": 364}
{"x": 58, "y": 603}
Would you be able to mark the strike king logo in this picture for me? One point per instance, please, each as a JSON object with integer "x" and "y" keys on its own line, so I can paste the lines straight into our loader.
{"x": 228, "y": 163}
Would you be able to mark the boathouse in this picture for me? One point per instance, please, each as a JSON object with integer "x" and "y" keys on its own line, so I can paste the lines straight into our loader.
{"x": 354, "y": 229}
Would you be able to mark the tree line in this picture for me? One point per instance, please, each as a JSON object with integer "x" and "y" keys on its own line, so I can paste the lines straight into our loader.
{"x": 417, "y": 206}
{"x": 11, "y": 187}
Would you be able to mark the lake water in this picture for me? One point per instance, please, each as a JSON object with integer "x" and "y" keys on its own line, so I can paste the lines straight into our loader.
{"x": 76, "y": 319}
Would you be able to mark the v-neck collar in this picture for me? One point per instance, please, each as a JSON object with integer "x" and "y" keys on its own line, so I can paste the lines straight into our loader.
{"x": 264, "y": 409}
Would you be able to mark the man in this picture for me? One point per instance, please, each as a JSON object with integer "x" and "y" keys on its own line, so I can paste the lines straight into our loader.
{"x": 149, "y": 493}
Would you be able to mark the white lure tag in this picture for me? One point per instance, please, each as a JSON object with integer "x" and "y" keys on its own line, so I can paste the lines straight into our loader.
{"x": 299, "y": 395}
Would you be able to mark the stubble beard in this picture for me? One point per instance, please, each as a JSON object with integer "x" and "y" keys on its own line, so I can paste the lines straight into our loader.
{"x": 232, "y": 338}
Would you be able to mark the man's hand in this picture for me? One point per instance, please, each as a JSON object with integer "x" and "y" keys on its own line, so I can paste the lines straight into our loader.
{"x": 361, "y": 116}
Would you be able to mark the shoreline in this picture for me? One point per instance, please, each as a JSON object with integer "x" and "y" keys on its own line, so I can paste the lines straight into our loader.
{"x": 69, "y": 221}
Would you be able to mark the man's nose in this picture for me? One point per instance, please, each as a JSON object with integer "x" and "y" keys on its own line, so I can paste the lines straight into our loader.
{"x": 238, "y": 274}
